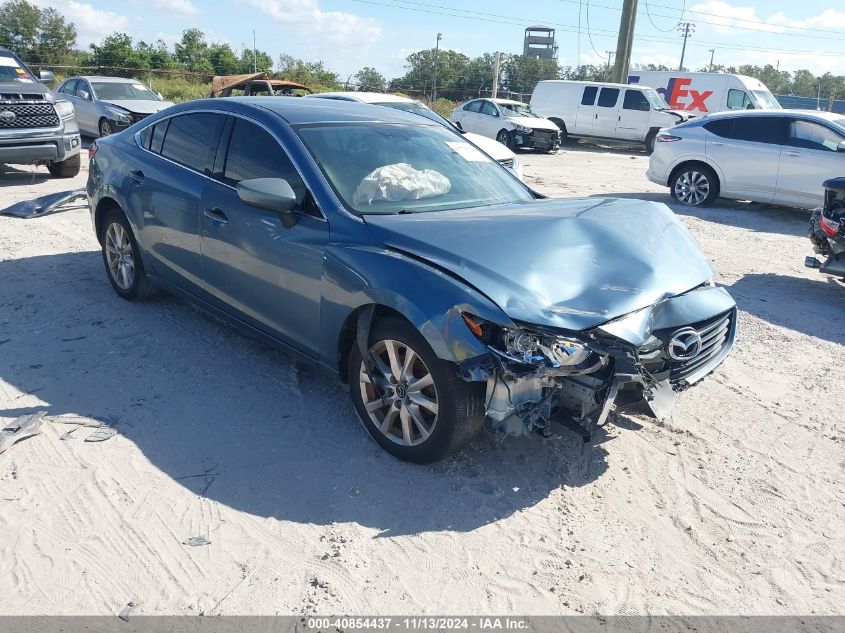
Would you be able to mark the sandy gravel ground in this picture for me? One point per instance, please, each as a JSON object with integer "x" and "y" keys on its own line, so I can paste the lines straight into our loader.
{"x": 734, "y": 506}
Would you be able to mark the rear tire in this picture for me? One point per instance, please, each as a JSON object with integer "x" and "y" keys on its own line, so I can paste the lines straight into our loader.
{"x": 650, "y": 140}
{"x": 564, "y": 136}
{"x": 122, "y": 259}
{"x": 66, "y": 169}
{"x": 400, "y": 417}
{"x": 694, "y": 185}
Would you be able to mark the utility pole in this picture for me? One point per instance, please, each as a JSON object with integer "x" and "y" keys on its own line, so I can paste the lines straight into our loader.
{"x": 609, "y": 57}
{"x": 436, "y": 51}
{"x": 497, "y": 60}
{"x": 712, "y": 53}
{"x": 686, "y": 29}
{"x": 625, "y": 42}
{"x": 254, "y": 54}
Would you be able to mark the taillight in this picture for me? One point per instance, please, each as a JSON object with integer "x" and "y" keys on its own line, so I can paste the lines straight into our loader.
{"x": 668, "y": 138}
{"x": 92, "y": 149}
{"x": 830, "y": 227}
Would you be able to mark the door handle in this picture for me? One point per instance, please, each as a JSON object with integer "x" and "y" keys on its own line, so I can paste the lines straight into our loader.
{"x": 717, "y": 144}
{"x": 217, "y": 215}
{"x": 794, "y": 154}
{"x": 137, "y": 175}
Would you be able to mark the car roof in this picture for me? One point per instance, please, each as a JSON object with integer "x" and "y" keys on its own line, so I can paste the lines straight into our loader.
{"x": 363, "y": 97}
{"x": 298, "y": 110}
{"x": 827, "y": 116}
{"x": 507, "y": 101}
{"x": 113, "y": 80}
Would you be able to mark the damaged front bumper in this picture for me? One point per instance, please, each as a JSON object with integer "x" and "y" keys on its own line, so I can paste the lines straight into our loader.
{"x": 646, "y": 358}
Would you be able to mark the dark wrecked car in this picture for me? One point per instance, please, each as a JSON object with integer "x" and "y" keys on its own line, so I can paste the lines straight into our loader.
{"x": 388, "y": 250}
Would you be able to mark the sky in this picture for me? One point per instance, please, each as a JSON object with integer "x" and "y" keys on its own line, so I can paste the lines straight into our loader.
{"x": 350, "y": 34}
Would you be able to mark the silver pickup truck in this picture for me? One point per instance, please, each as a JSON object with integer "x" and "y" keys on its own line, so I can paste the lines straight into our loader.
{"x": 35, "y": 126}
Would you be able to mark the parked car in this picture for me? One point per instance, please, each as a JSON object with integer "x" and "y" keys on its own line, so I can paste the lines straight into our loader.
{"x": 388, "y": 250}
{"x": 105, "y": 105}
{"x": 705, "y": 93}
{"x": 604, "y": 111}
{"x": 512, "y": 123}
{"x": 771, "y": 156}
{"x": 255, "y": 85}
{"x": 36, "y": 127}
{"x": 494, "y": 149}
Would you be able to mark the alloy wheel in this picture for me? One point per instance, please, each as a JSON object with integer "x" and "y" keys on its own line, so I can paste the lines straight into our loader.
{"x": 105, "y": 128}
{"x": 692, "y": 188}
{"x": 119, "y": 256}
{"x": 504, "y": 138}
{"x": 399, "y": 393}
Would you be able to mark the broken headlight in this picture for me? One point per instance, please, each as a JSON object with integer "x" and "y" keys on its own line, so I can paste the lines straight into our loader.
{"x": 529, "y": 347}
{"x": 533, "y": 348}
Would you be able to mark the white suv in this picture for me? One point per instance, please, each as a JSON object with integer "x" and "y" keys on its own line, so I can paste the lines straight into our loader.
{"x": 770, "y": 156}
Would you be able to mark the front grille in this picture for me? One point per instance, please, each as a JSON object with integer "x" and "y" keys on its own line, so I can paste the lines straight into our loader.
{"x": 716, "y": 335}
{"x": 545, "y": 138}
{"x": 28, "y": 116}
{"x": 137, "y": 117}
{"x": 508, "y": 162}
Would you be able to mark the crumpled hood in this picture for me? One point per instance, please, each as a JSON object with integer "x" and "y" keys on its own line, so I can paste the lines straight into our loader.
{"x": 570, "y": 264}
{"x": 533, "y": 123}
{"x": 140, "y": 106}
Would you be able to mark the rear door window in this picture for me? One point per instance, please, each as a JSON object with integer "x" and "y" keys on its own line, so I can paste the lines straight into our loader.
{"x": 190, "y": 139}
{"x": 69, "y": 87}
{"x": 488, "y": 108}
{"x": 809, "y": 135}
{"x": 589, "y": 96}
{"x": 635, "y": 100}
{"x": 608, "y": 97}
{"x": 472, "y": 106}
{"x": 756, "y": 129}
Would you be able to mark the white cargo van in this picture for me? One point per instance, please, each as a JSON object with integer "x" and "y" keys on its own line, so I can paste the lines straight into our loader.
{"x": 703, "y": 93}
{"x": 604, "y": 111}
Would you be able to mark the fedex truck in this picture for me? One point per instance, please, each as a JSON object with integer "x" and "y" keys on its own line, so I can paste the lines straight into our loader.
{"x": 703, "y": 93}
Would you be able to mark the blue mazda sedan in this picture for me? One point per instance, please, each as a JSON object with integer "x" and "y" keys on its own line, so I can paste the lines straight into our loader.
{"x": 390, "y": 251}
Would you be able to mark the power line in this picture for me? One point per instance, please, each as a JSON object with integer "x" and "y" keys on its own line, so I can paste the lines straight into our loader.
{"x": 589, "y": 34}
{"x": 505, "y": 19}
{"x": 669, "y": 30}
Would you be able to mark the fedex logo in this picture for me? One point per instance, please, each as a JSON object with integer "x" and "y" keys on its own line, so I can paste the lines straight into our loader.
{"x": 678, "y": 95}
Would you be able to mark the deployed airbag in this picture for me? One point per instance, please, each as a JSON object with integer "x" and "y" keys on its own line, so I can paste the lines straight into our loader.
{"x": 399, "y": 182}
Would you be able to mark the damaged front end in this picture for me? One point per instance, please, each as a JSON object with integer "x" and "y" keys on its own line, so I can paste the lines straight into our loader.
{"x": 535, "y": 375}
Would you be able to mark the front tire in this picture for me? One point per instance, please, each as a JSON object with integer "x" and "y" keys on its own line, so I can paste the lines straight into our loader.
{"x": 66, "y": 169}
{"x": 122, "y": 259}
{"x": 506, "y": 139}
{"x": 105, "y": 128}
{"x": 695, "y": 185}
{"x": 650, "y": 140}
{"x": 412, "y": 403}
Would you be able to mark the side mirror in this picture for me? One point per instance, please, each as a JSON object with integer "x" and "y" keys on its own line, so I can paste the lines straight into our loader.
{"x": 841, "y": 147}
{"x": 84, "y": 94}
{"x": 274, "y": 194}
{"x": 47, "y": 76}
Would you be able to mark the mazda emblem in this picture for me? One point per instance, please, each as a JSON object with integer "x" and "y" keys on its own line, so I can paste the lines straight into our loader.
{"x": 685, "y": 344}
{"x": 7, "y": 117}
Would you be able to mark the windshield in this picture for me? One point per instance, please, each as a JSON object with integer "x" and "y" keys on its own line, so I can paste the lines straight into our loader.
{"x": 766, "y": 99}
{"x": 13, "y": 71}
{"x": 380, "y": 168}
{"x": 518, "y": 109}
{"x": 655, "y": 99}
{"x": 416, "y": 108}
{"x": 118, "y": 91}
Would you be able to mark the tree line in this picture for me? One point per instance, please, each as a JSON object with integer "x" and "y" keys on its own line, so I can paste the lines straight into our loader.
{"x": 44, "y": 37}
